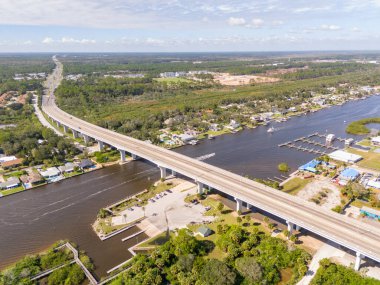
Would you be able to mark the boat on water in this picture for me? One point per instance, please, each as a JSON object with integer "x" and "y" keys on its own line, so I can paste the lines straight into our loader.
{"x": 193, "y": 142}
{"x": 211, "y": 137}
{"x": 270, "y": 130}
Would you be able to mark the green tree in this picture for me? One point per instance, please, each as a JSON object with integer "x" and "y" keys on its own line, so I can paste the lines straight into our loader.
{"x": 217, "y": 272}
{"x": 249, "y": 268}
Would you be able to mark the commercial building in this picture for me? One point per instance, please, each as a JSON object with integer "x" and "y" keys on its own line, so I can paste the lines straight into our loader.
{"x": 345, "y": 156}
{"x": 369, "y": 212}
{"x": 311, "y": 166}
{"x": 348, "y": 175}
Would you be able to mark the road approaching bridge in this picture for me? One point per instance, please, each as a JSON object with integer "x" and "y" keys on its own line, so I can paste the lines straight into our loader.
{"x": 361, "y": 238}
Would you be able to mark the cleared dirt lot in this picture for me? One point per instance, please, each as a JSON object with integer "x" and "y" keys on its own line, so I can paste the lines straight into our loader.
{"x": 236, "y": 80}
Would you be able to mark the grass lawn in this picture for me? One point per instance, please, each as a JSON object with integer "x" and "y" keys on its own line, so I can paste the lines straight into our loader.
{"x": 294, "y": 185}
{"x": 370, "y": 159}
{"x": 74, "y": 173}
{"x": 12, "y": 191}
{"x": 14, "y": 173}
{"x": 105, "y": 226}
{"x": 157, "y": 240}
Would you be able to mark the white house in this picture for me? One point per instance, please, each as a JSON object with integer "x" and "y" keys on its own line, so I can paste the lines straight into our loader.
{"x": 51, "y": 172}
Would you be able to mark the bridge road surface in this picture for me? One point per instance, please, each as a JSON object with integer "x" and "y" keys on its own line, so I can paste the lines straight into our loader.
{"x": 359, "y": 237}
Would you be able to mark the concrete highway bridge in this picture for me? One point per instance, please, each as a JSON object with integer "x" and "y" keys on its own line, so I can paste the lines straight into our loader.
{"x": 363, "y": 239}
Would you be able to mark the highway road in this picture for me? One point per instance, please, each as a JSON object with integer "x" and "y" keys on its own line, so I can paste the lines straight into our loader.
{"x": 354, "y": 235}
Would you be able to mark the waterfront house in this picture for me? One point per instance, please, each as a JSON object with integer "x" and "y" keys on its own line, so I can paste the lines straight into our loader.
{"x": 204, "y": 231}
{"x": 233, "y": 125}
{"x": 51, "y": 172}
{"x": 376, "y": 141}
{"x": 32, "y": 178}
{"x": 67, "y": 168}
{"x": 11, "y": 183}
{"x": 186, "y": 137}
{"x": 214, "y": 127}
{"x": 86, "y": 163}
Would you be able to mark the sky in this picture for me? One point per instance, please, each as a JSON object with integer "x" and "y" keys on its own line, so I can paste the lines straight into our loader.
{"x": 185, "y": 25}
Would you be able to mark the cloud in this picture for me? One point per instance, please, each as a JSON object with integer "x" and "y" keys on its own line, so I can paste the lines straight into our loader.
{"x": 67, "y": 40}
{"x": 257, "y": 23}
{"x": 236, "y": 21}
{"x": 47, "y": 40}
{"x": 330, "y": 27}
{"x": 277, "y": 23}
{"x": 355, "y": 29}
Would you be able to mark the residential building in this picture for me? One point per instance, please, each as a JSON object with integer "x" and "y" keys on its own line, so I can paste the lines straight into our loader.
{"x": 51, "y": 172}
{"x": 85, "y": 163}
{"x": 376, "y": 141}
{"x": 12, "y": 182}
{"x": 67, "y": 168}
{"x": 12, "y": 163}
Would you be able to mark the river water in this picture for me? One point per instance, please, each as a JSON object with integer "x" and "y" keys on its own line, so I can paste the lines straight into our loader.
{"x": 33, "y": 220}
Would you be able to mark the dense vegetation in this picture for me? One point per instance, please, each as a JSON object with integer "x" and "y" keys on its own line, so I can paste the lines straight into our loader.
{"x": 333, "y": 274}
{"x": 23, "y": 140}
{"x": 29, "y": 266}
{"x": 23, "y": 64}
{"x": 252, "y": 258}
{"x": 139, "y": 107}
{"x": 359, "y": 127}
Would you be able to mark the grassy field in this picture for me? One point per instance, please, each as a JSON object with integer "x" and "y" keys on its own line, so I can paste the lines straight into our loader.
{"x": 294, "y": 185}
{"x": 370, "y": 159}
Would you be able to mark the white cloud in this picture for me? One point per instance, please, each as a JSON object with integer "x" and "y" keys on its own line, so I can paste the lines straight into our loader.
{"x": 68, "y": 40}
{"x": 47, "y": 40}
{"x": 330, "y": 27}
{"x": 257, "y": 23}
{"x": 236, "y": 21}
{"x": 277, "y": 23}
{"x": 355, "y": 29}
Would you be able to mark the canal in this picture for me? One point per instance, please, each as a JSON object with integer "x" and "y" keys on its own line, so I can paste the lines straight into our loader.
{"x": 33, "y": 220}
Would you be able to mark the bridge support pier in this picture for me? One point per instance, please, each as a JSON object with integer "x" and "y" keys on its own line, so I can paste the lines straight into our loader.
{"x": 65, "y": 129}
{"x": 100, "y": 145}
{"x": 239, "y": 205}
{"x": 290, "y": 227}
{"x": 122, "y": 156}
{"x": 75, "y": 134}
{"x": 58, "y": 124}
{"x": 86, "y": 138}
{"x": 298, "y": 228}
{"x": 199, "y": 187}
{"x": 162, "y": 172}
{"x": 358, "y": 260}
{"x": 134, "y": 156}
{"x": 174, "y": 173}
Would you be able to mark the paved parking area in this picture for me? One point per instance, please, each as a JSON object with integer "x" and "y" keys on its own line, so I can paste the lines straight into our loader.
{"x": 168, "y": 211}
